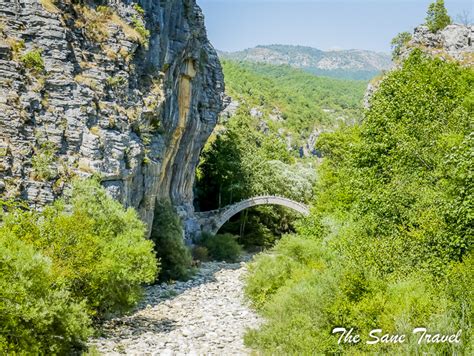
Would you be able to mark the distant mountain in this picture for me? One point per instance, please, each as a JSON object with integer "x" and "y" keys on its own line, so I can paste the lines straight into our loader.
{"x": 348, "y": 64}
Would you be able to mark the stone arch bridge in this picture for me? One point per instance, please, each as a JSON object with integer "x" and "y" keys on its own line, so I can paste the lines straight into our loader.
{"x": 212, "y": 221}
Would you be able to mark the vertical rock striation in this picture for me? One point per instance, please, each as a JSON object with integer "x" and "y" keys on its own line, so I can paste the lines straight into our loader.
{"x": 128, "y": 92}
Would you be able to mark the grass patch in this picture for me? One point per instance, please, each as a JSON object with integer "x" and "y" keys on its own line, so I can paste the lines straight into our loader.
{"x": 16, "y": 46}
{"x": 49, "y": 6}
{"x": 32, "y": 60}
{"x": 115, "y": 82}
{"x": 87, "y": 81}
{"x": 97, "y": 23}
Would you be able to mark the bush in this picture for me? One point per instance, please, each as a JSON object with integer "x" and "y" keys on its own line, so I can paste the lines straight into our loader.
{"x": 437, "y": 17}
{"x": 301, "y": 315}
{"x": 141, "y": 29}
{"x": 98, "y": 249}
{"x": 287, "y": 262}
{"x": 398, "y": 42}
{"x": 167, "y": 233}
{"x": 200, "y": 253}
{"x": 35, "y": 316}
{"x": 222, "y": 247}
{"x": 304, "y": 290}
{"x": 393, "y": 221}
{"x": 33, "y": 60}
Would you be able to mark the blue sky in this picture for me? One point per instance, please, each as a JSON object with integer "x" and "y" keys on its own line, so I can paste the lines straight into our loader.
{"x": 342, "y": 24}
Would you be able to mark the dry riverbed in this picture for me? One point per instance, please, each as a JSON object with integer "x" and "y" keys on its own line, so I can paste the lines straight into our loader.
{"x": 206, "y": 315}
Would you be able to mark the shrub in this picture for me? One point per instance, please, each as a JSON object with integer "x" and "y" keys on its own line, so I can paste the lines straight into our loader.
{"x": 43, "y": 162}
{"x": 98, "y": 249}
{"x": 302, "y": 314}
{"x": 286, "y": 263}
{"x": 305, "y": 290}
{"x": 141, "y": 29}
{"x": 139, "y": 9}
{"x": 33, "y": 60}
{"x": 167, "y": 233}
{"x": 437, "y": 17}
{"x": 222, "y": 247}
{"x": 36, "y": 317}
{"x": 200, "y": 253}
{"x": 398, "y": 42}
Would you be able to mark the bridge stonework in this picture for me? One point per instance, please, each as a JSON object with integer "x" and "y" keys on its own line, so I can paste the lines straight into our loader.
{"x": 212, "y": 221}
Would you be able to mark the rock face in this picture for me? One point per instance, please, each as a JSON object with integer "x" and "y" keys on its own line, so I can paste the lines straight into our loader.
{"x": 454, "y": 42}
{"x": 126, "y": 92}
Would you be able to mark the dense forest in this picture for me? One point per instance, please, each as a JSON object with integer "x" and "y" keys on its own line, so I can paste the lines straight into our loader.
{"x": 266, "y": 146}
{"x": 389, "y": 242}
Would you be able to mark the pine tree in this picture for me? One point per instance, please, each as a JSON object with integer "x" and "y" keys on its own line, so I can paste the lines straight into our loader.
{"x": 437, "y": 17}
{"x": 398, "y": 42}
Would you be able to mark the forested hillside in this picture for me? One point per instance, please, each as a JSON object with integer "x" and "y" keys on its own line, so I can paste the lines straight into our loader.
{"x": 306, "y": 102}
{"x": 345, "y": 64}
{"x": 266, "y": 146}
{"x": 389, "y": 242}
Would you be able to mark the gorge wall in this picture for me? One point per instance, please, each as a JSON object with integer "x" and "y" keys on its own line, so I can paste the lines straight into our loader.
{"x": 111, "y": 88}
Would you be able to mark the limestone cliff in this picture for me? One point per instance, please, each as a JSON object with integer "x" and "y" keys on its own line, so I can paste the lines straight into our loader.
{"x": 453, "y": 43}
{"x": 127, "y": 91}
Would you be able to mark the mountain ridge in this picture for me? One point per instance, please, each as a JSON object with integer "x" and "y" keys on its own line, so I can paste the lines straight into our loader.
{"x": 347, "y": 64}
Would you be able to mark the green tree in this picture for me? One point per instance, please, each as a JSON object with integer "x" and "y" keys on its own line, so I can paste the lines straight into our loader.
{"x": 167, "y": 233}
{"x": 98, "y": 249}
{"x": 398, "y": 42}
{"x": 437, "y": 17}
{"x": 391, "y": 228}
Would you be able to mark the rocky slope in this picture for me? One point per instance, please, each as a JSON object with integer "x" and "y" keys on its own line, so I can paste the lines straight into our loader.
{"x": 454, "y": 43}
{"x": 351, "y": 64}
{"x": 124, "y": 91}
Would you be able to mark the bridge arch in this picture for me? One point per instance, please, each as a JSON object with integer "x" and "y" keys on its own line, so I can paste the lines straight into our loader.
{"x": 225, "y": 214}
